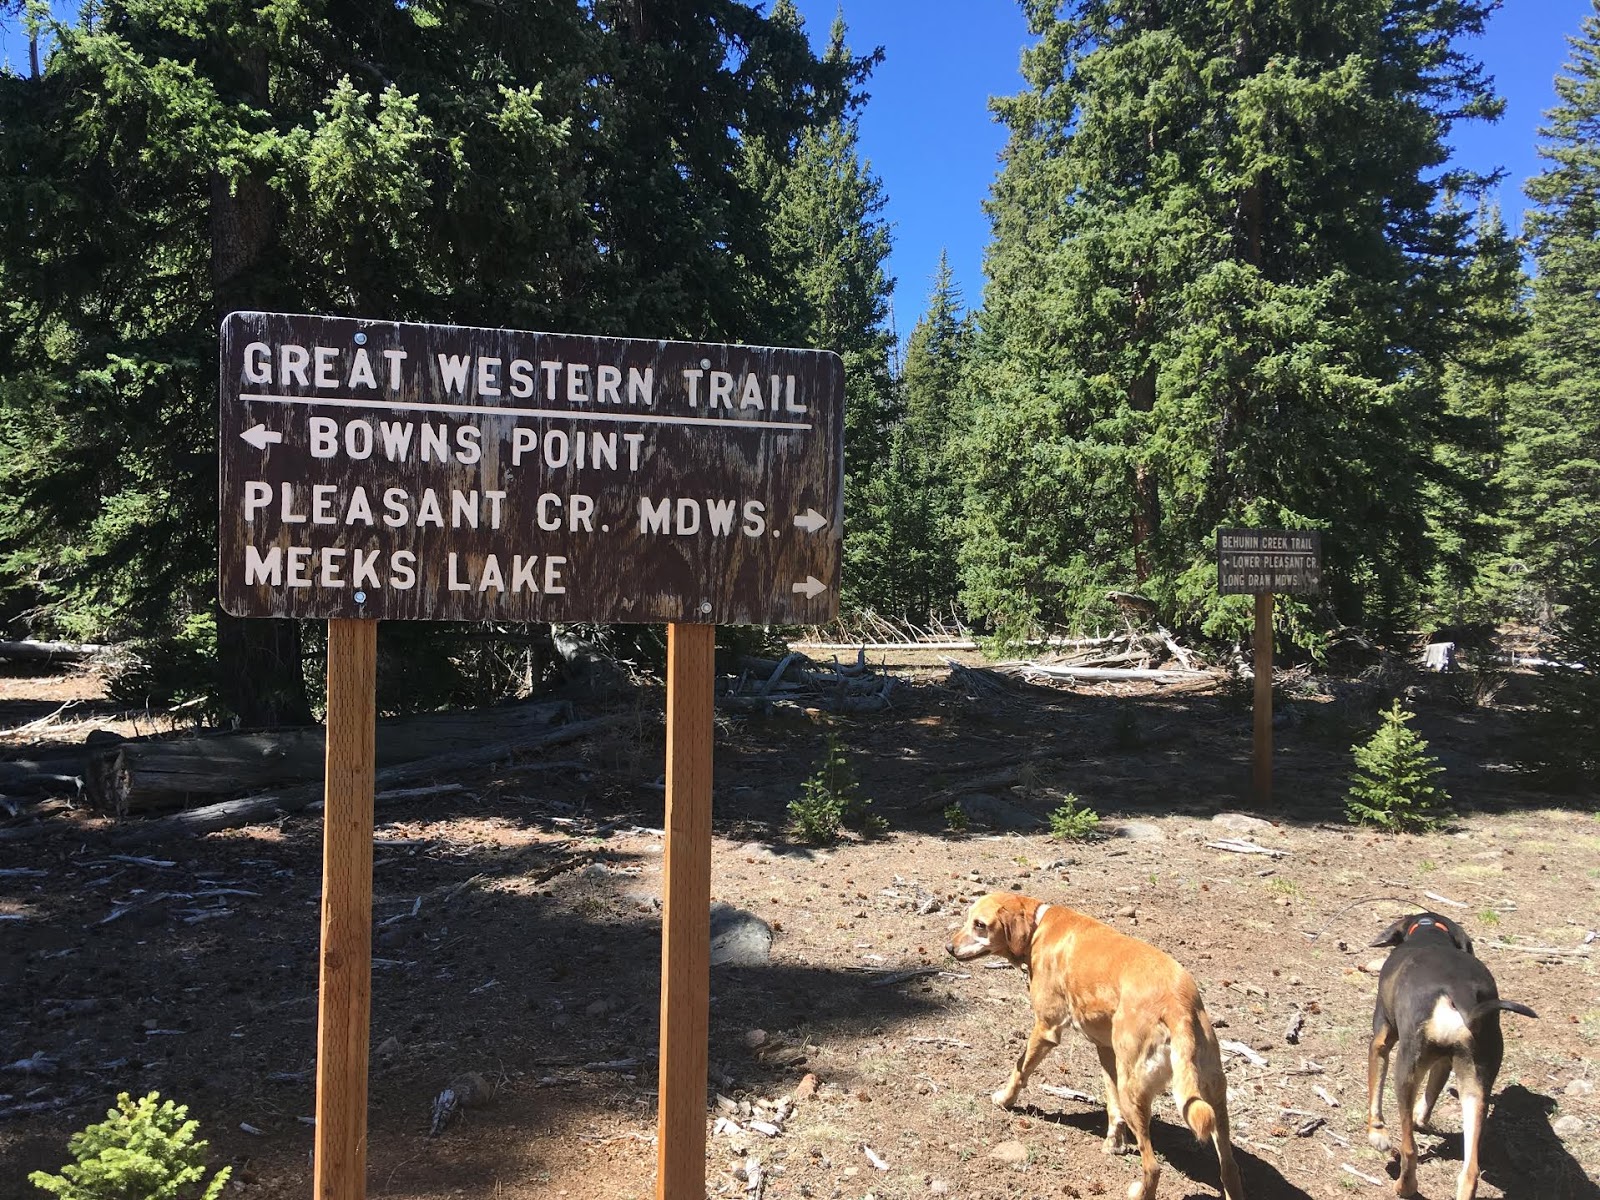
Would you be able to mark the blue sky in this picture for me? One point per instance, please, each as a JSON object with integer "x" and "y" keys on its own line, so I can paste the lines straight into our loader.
{"x": 929, "y": 136}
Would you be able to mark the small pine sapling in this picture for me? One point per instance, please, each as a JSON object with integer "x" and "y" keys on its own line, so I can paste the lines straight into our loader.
{"x": 831, "y": 800}
{"x": 1073, "y": 821}
{"x": 144, "y": 1150}
{"x": 1392, "y": 786}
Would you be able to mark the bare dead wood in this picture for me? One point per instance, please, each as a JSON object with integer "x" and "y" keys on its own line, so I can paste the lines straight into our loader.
{"x": 1067, "y": 1093}
{"x": 895, "y": 977}
{"x": 1244, "y": 1052}
{"x": 1239, "y": 846}
{"x": 1560, "y": 951}
{"x": 46, "y": 652}
{"x": 984, "y": 783}
{"x": 1149, "y": 674}
{"x": 231, "y": 814}
{"x": 155, "y": 775}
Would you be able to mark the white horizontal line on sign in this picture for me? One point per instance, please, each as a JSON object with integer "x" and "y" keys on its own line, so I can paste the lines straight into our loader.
{"x": 503, "y": 411}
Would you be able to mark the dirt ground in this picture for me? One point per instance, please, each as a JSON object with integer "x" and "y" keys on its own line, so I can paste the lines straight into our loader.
{"x": 517, "y": 938}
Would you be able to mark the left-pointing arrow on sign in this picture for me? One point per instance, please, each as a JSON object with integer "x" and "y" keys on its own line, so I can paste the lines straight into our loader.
{"x": 811, "y": 587}
{"x": 261, "y": 437}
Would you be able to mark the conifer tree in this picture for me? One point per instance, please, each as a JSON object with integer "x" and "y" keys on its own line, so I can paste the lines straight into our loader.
{"x": 1473, "y": 577}
{"x": 1553, "y": 463}
{"x": 1215, "y": 283}
{"x": 903, "y": 562}
{"x": 515, "y": 164}
{"x": 830, "y": 249}
{"x": 1392, "y": 786}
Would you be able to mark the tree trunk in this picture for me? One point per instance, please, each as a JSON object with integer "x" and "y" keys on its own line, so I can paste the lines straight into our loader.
{"x": 262, "y": 680}
{"x": 1146, "y": 497}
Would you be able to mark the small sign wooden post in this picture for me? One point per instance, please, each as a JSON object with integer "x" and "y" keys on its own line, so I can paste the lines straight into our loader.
{"x": 378, "y": 470}
{"x": 1262, "y": 562}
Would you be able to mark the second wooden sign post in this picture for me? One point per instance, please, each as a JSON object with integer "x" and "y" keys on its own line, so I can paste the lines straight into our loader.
{"x": 378, "y": 470}
{"x": 1264, "y": 562}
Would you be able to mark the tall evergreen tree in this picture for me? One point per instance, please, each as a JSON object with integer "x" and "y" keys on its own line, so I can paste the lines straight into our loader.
{"x": 1473, "y": 579}
{"x": 831, "y": 247}
{"x": 827, "y": 286}
{"x": 1215, "y": 283}
{"x": 1553, "y": 464}
{"x": 523, "y": 164}
{"x": 903, "y": 560}
{"x": 1555, "y": 459}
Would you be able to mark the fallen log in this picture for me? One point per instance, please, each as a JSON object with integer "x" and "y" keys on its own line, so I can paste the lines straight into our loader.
{"x": 46, "y": 652}
{"x": 1055, "y": 671}
{"x": 250, "y": 810}
{"x": 154, "y": 776}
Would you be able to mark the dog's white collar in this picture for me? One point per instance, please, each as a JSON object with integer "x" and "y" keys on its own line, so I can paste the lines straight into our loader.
{"x": 1038, "y": 914}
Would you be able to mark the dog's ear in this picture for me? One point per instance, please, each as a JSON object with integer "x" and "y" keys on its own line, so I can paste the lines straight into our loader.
{"x": 1393, "y": 935}
{"x": 1458, "y": 935}
{"x": 1014, "y": 929}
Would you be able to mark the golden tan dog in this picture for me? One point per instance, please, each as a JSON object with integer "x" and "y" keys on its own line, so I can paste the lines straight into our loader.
{"x": 1139, "y": 1008}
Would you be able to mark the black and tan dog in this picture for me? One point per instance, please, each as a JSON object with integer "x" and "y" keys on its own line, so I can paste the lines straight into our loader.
{"x": 1437, "y": 1008}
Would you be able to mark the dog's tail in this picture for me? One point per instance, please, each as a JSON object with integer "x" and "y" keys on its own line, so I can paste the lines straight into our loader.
{"x": 1488, "y": 1006}
{"x": 1200, "y": 1088}
{"x": 1196, "y": 1061}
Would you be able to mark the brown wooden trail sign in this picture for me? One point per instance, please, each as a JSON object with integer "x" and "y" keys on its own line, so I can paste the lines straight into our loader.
{"x": 1285, "y": 561}
{"x": 1260, "y": 562}
{"x": 430, "y": 472}
{"x": 379, "y": 470}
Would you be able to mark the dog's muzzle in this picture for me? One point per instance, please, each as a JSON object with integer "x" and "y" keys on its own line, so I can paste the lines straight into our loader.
{"x": 972, "y": 947}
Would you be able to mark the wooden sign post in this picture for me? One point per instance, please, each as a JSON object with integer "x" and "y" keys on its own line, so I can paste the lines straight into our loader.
{"x": 685, "y": 918}
{"x": 1262, "y": 562}
{"x": 379, "y": 470}
{"x": 339, "y": 1156}
{"x": 1262, "y": 750}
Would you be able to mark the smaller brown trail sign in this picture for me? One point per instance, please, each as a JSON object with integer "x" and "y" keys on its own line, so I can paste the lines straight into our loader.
{"x": 1261, "y": 562}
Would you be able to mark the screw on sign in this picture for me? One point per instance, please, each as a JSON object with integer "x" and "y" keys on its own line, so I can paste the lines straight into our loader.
{"x": 380, "y": 470}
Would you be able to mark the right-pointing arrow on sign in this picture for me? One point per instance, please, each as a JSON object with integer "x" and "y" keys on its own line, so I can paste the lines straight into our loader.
{"x": 811, "y": 587}
{"x": 810, "y": 520}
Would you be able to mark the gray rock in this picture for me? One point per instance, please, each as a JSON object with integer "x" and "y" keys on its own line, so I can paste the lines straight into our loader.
{"x": 1567, "y": 1127}
{"x": 1578, "y": 1087}
{"x": 938, "y": 1187}
{"x": 1013, "y": 1153}
{"x": 1240, "y": 823}
{"x": 1136, "y": 831}
{"x": 992, "y": 812}
{"x": 648, "y": 899}
{"x": 738, "y": 938}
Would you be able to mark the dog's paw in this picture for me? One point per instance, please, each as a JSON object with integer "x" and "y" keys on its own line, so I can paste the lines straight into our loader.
{"x": 1406, "y": 1185}
{"x": 1004, "y": 1097}
{"x": 1378, "y": 1138}
{"x": 1120, "y": 1142}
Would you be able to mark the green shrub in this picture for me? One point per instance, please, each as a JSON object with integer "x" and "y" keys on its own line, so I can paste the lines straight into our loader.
{"x": 1391, "y": 786}
{"x": 144, "y": 1150}
{"x": 831, "y": 800}
{"x": 956, "y": 818}
{"x": 1073, "y": 821}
